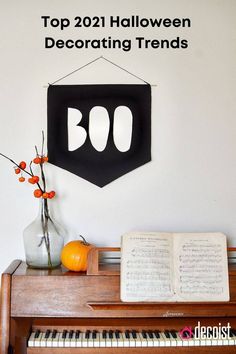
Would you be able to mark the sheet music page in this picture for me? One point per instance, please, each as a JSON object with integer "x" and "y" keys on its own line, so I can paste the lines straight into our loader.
{"x": 146, "y": 267}
{"x": 201, "y": 267}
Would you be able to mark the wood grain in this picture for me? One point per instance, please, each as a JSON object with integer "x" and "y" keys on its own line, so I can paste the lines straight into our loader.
{"x": 0, "y": 321}
{"x": 65, "y": 295}
{"x": 5, "y": 306}
{"x": 93, "y": 262}
{"x": 59, "y": 299}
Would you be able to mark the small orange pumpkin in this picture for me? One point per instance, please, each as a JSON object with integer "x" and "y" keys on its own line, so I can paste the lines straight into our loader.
{"x": 74, "y": 255}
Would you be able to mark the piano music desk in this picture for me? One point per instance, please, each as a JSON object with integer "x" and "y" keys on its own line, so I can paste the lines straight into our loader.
{"x": 57, "y": 299}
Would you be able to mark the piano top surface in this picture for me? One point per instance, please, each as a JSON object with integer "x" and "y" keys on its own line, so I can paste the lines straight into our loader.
{"x": 24, "y": 270}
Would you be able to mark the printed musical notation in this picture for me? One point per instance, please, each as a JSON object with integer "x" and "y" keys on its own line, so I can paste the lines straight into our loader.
{"x": 201, "y": 267}
{"x": 147, "y": 268}
{"x": 174, "y": 267}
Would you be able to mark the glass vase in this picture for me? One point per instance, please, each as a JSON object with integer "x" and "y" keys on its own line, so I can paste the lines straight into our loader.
{"x": 43, "y": 240}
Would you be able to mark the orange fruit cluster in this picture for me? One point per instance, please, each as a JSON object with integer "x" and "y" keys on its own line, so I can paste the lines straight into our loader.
{"x": 33, "y": 179}
{"x": 38, "y": 193}
{"x": 22, "y": 166}
{"x": 45, "y": 195}
{"x": 38, "y": 160}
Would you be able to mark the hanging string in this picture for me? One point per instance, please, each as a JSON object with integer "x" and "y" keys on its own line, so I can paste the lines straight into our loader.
{"x": 74, "y": 71}
{"x": 118, "y": 66}
{"x": 93, "y": 61}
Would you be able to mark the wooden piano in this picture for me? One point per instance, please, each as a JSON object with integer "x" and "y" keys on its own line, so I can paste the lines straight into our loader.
{"x": 73, "y": 313}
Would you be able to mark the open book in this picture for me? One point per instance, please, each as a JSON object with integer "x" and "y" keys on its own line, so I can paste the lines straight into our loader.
{"x": 174, "y": 267}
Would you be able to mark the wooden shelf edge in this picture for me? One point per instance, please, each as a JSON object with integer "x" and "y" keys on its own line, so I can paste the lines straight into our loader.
{"x": 152, "y": 305}
{"x": 13, "y": 266}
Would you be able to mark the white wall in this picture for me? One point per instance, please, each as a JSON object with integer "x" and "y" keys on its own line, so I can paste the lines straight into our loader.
{"x": 190, "y": 183}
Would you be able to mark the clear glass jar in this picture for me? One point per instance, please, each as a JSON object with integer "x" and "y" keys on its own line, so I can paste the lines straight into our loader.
{"x": 43, "y": 240}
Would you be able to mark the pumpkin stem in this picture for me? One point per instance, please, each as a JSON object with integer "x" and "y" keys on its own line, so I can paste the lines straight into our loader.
{"x": 84, "y": 241}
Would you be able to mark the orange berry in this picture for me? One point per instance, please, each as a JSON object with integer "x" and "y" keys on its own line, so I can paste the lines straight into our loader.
{"x": 45, "y": 159}
{"x": 22, "y": 179}
{"x": 31, "y": 180}
{"x": 51, "y": 194}
{"x": 38, "y": 193}
{"x": 22, "y": 165}
{"x": 37, "y": 160}
{"x": 45, "y": 195}
{"x": 36, "y": 179}
{"x": 17, "y": 171}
